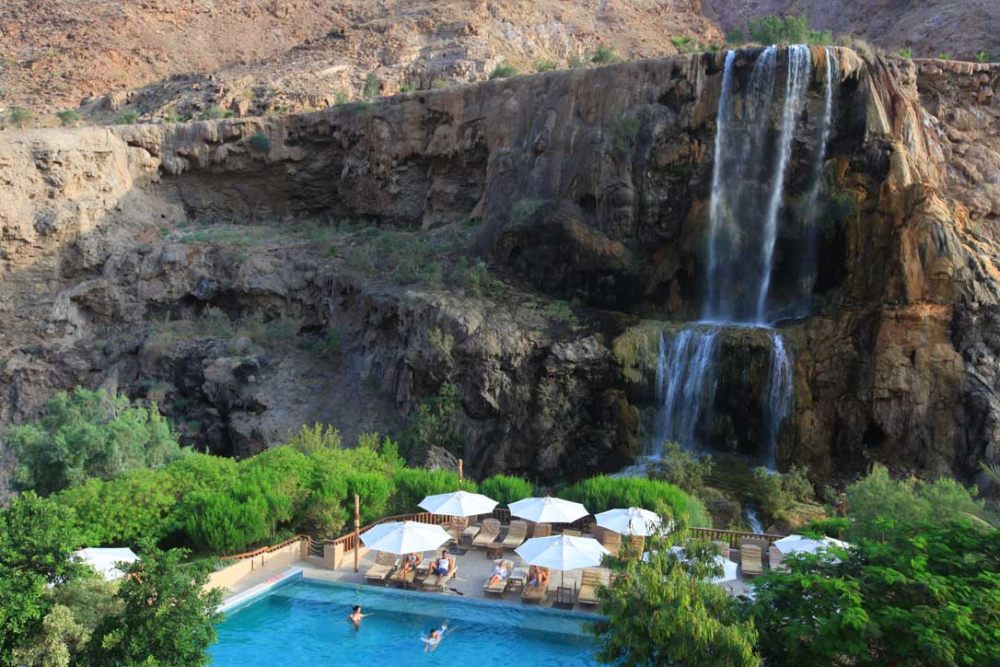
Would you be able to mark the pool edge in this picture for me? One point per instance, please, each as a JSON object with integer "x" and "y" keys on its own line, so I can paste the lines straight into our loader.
{"x": 243, "y": 598}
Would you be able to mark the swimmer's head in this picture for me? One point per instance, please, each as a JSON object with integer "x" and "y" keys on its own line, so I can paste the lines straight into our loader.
{"x": 356, "y": 608}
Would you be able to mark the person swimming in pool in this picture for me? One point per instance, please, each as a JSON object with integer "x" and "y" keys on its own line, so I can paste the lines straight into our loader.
{"x": 355, "y": 616}
{"x": 434, "y": 637}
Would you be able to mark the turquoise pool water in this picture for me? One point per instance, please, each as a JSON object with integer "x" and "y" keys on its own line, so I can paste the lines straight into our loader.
{"x": 305, "y": 623}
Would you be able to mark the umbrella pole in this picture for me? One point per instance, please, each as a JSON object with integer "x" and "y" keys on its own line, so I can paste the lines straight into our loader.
{"x": 357, "y": 530}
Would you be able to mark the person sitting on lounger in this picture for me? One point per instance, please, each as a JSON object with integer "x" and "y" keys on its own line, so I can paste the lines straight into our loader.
{"x": 498, "y": 574}
{"x": 434, "y": 637}
{"x": 538, "y": 577}
{"x": 443, "y": 566}
{"x": 411, "y": 561}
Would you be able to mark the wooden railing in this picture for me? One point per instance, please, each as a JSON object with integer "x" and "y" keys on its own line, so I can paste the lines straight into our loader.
{"x": 732, "y": 537}
{"x": 268, "y": 549}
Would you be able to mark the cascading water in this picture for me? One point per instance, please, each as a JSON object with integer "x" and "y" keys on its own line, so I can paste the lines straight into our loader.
{"x": 779, "y": 402}
{"x": 747, "y": 194}
{"x": 809, "y": 212}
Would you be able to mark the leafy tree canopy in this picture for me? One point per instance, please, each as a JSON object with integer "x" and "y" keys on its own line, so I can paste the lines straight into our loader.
{"x": 89, "y": 434}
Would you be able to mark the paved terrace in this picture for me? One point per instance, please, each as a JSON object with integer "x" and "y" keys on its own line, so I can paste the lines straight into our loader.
{"x": 472, "y": 571}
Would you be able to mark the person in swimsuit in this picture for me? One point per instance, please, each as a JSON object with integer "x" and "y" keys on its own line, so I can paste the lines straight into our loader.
{"x": 355, "y": 617}
{"x": 434, "y": 637}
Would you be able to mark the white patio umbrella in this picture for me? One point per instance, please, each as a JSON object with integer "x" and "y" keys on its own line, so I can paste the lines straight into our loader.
{"x": 729, "y": 568}
{"x": 404, "y": 537}
{"x": 548, "y": 510}
{"x": 796, "y": 543}
{"x": 104, "y": 560}
{"x": 631, "y": 521}
{"x": 562, "y": 552}
{"x": 458, "y": 503}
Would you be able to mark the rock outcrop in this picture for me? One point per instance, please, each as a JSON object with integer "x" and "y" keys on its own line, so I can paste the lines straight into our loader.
{"x": 591, "y": 186}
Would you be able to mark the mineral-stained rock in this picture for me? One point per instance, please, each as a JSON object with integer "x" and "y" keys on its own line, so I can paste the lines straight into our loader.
{"x": 592, "y": 185}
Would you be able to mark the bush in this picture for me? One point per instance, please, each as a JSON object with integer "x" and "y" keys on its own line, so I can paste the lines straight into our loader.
{"x": 785, "y": 30}
{"x": 68, "y": 117}
{"x": 127, "y": 118}
{"x": 604, "y": 55}
{"x": 684, "y": 43}
{"x": 544, "y": 66}
{"x": 506, "y": 489}
{"x": 20, "y": 116}
{"x": 214, "y": 112}
{"x": 435, "y": 424}
{"x": 560, "y": 311}
{"x": 603, "y": 493}
{"x": 796, "y": 483}
{"x": 906, "y": 52}
{"x": 407, "y": 87}
{"x": 944, "y": 55}
{"x": 735, "y": 37}
{"x": 372, "y": 86}
{"x": 503, "y": 71}
{"x": 87, "y": 434}
{"x": 626, "y": 134}
{"x": 330, "y": 344}
{"x": 982, "y": 57}
{"x": 475, "y": 278}
{"x": 682, "y": 468}
{"x": 259, "y": 143}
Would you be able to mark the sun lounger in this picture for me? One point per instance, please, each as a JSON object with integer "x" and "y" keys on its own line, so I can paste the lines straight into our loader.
{"x": 500, "y": 587}
{"x": 612, "y": 541}
{"x": 456, "y": 529}
{"x": 571, "y": 533}
{"x": 515, "y": 534}
{"x": 590, "y": 581}
{"x": 638, "y": 544}
{"x": 723, "y": 548}
{"x": 488, "y": 535}
{"x": 384, "y": 565}
{"x": 751, "y": 560}
{"x": 775, "y": 558}
{"x": 542, "y": 530}
{"x": 434, "y": 582}
{"x": 535, "y": 593}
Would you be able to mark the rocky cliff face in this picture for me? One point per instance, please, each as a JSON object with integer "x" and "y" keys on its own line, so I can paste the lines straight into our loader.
{"x": 591, "y": 186}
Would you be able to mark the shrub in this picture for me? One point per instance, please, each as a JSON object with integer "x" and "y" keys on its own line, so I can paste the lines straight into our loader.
{"x": 20, "y": 116}
{"x": 626, "y": 134}
{"x": 213, "y": 112}
{"x": 68, "y": 117}
{"x": 944, "y": 55}
{"x": 372, "y": 86}
{"x": 503, "y": 71}
{"x": 524, "y": 208}
{"x": 87, "y": 434}
{"x": 906, "y": 52}
{"x": 407, "y": 87}
{"x": 439, "y": 84}
{"x": 735, "y": 37}
{"x": 682, "y": 468}
{"x": 129, "y": 117}
{"x": 330, "y": 344}
{"x": 435, "y": 424}
{"x": 506, "y": 489}
{"x": 785, "y": 30}
{"x": 603, "y": 493}
{"x": 545, "y": 66}
{"x": 259, "y": 143}
{"x": 315, "y": 438}
{"x": 767, "y": 493}
{"x": 796, "y": 483}
{"x": 683, "y": 43}
{"x": 340, "y": 97}
{"x": 560, "y": 311}
{"x": 982, "y": 57}
{"x": 604, "y": 55}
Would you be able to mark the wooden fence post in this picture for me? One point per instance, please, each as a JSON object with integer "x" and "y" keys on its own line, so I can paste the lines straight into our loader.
{"x": 357, "y": 530}
{"x": 460, "y": 466}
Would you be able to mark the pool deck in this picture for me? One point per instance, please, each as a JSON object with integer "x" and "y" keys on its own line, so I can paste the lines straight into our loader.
{"x": 473, "y": 570}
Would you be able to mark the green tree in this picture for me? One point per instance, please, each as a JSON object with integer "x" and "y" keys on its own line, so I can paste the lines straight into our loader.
{"x": 86, "y": 434}
{"x": 167, "y": 619}
{"x": 878, "y": 503}
{"x": 662, "y": 611}
{"x": 928, "y": 595}
{"x": 36, "y": 547}
{"x": 506, "y": 489}
{"x": 603, "y": 493}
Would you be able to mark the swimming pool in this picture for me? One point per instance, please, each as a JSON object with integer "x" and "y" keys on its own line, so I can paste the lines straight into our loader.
{"x": 305, "y": 623}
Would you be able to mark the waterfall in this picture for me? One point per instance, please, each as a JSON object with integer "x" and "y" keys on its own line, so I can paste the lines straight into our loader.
{"x": 685, "y": 382}
{"x": 747, "y": 194}
{"x": 799, "y": 73}
{"x": 809, "y": 211}
{"x": 779, "y": 397}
